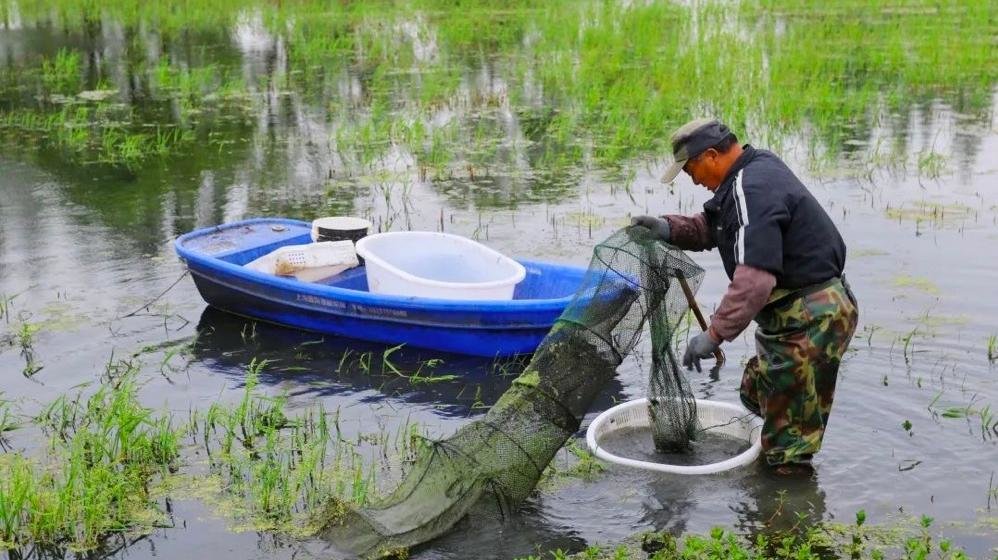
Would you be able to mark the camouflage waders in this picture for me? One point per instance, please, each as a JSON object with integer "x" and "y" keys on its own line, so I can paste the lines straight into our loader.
{"x": 791, "y": 381}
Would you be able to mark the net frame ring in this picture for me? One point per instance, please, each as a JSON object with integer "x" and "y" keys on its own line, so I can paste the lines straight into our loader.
{"x": 634, "y": 414}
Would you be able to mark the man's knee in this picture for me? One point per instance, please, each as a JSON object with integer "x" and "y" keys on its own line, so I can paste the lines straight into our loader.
{"x": 749, "y": 392}
{"x": 751, "y": 404}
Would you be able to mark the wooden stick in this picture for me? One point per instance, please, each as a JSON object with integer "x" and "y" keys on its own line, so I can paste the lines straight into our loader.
{"x": 718, "y": 354}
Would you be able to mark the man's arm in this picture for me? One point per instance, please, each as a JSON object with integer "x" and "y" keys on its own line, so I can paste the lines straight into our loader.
{"x": 762, "y": 215}
{"x": 747, "y": 294}
{"x": 690, "y": 233}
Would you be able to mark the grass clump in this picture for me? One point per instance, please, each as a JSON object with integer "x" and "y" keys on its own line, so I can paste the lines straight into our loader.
{"x": 23, "y": 336}
{"x": 273, "y": 471}
{"x": 103, "y": 455}
{"x": 62, "y": 73}
{"x": 857, "y": 541}
{"x": 107, "y": 459}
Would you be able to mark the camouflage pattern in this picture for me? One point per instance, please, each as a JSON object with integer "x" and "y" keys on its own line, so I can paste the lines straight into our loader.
{"x": 791, "y": 381}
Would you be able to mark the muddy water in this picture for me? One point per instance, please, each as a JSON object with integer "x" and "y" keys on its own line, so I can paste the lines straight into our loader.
{"x": 707, "y": 448}
{"x": 85, "y": 247}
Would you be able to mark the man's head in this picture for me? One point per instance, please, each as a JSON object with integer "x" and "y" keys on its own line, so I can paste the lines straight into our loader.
{"x": 705, "y": 149}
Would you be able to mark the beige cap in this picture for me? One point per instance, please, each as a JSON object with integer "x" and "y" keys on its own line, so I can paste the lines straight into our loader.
{"x": 691, "y": 140}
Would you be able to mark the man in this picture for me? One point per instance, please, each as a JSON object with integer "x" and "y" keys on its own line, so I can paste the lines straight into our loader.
{"x": 784, "y": 258}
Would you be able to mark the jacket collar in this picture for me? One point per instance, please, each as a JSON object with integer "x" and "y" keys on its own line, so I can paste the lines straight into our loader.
{"x": 722, "y": 192}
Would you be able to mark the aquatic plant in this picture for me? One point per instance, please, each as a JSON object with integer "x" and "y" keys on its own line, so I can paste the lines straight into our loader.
{"x": 587, "y": 83}
{"x": 104, "y": 452}
{"x": 987, "y": 420}
{"x": 993, "y": 348}
{"x": 416, "y": 377}
{"x": 277, "y": 471}
{"x": 992, "y": 493}
{"x": 8, "y": 421}
{"x": 587, "y": 466}
{"x": 931, "y": 164}
{"x": 6, "y": 304}
{"x": 858, "y": 541}
{"x": 63, "y": 72}
{"x": 24, "y": 336}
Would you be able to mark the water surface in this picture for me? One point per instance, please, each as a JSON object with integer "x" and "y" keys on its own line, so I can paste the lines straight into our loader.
{"x": 86, "y": 243}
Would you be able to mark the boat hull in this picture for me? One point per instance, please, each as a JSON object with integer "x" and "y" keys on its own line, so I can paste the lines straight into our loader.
{"x": 342, "y": 306}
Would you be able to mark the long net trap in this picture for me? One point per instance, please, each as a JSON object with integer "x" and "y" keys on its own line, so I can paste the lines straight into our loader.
{"x": 632, "y": 281}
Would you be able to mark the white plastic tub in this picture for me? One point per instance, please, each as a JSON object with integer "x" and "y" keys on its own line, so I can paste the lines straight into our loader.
{"x": 437, "y": 265}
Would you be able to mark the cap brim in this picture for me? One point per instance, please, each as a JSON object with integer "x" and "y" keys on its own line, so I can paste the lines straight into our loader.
{"x": 673, "y": 171}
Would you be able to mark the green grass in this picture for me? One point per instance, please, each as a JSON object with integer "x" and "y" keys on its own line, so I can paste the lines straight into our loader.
{"x": 103, "y": 453}
{"x": 276, "y": 471}
{"x": 23, "y": 336}
{"x": 9, "y": 420}
{"x": 62, "y": 73}
{"x": 108, "y": 459}
{"x": 588, "y": 81}
{"x": 858, "y": 541}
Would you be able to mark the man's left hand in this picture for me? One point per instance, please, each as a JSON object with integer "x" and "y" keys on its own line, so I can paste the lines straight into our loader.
{"x": 701, "y": 346}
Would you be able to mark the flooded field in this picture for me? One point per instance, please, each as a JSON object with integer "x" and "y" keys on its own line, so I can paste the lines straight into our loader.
{"x": 538, "y": 129}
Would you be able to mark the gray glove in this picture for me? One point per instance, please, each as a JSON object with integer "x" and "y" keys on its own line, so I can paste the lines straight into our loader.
{"x": 702, "y": 346}
{"x": 659, "y": 226}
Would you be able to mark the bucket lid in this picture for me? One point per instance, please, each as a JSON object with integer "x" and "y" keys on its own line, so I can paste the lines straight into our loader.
{"x": 341, "y": 223}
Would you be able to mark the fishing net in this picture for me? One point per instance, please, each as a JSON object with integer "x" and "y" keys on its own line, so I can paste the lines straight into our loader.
{"x": 632, "y": 279}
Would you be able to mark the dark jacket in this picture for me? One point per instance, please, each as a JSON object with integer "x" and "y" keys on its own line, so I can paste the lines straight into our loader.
{"x": 763, "y": 216}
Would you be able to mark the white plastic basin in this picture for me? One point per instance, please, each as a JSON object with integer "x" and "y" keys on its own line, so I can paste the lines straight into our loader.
{"x": 721, "y": 418}
{"x": 437, "y": 265}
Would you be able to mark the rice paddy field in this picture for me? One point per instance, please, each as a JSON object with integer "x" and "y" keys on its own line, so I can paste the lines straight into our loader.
{"x": 136, "y": 422}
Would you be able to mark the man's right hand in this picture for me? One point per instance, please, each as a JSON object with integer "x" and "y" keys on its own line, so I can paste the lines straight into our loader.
{"x": 659, "y": 226}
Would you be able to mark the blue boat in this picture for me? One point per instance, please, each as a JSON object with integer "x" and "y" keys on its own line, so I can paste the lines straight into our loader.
{"x": 342, "y": 305}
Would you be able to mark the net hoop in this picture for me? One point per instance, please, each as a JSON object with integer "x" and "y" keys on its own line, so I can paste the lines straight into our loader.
{"x": 718, "y": 417}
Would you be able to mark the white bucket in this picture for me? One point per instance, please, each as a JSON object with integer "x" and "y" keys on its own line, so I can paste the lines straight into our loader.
{"x": 341, "y": 227}
{"x": 725, "y": 419}
{"x": 437, "y": 265}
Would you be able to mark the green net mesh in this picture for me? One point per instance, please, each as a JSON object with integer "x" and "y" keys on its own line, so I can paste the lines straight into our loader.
{"x": 632, "y": 280}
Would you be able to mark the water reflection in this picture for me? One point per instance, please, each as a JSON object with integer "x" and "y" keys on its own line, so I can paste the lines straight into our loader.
{"x": 487, "y": 532}
{"x": 319, "y": 365}
{"x": 278, "y": 124}
{"x": 426, "y": 121}
{"x": 774, "y": 506}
